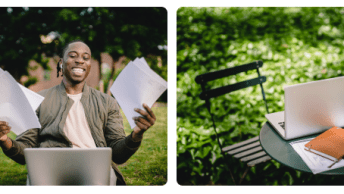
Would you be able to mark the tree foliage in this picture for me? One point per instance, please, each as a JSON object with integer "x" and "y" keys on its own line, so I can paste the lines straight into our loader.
{"x": 130, "y": 32}
{"x": 297, "y": 45}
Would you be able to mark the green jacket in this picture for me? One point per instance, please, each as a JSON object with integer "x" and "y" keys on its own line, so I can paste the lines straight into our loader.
{"x": 103, "y": 117}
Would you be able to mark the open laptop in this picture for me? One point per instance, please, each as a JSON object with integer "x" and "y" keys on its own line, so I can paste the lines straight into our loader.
{"x": 68, "y": 166}
{"x": 310, "y": 108}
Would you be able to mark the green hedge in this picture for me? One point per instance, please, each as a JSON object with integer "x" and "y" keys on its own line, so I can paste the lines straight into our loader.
{"x": 297, "y": 45}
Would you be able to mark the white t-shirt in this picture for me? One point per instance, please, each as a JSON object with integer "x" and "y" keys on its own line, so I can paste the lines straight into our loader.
{"x": 77, "y": 130}
{"x": 76, "y": 127}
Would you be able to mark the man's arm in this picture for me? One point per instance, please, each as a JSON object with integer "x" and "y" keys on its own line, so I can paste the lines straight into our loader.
{"x": 123, "y": 147}
{"x": 143, "y": 123}
{"x": 6, "y": 144}
{"x": 15, "y": 149}
{"x": 5, "y": 141}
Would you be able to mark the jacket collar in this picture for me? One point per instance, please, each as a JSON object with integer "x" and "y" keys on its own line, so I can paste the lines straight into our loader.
{"x": 85, "y": 90}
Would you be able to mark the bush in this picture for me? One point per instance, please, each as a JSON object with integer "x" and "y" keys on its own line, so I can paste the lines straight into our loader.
{"x": 297, "y": 45}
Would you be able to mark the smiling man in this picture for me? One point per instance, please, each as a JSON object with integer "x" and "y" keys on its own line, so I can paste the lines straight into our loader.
{"x": 76, "y": 115}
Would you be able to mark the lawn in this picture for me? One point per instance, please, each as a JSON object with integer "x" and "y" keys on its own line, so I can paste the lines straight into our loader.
{"x": 148, "y": 166}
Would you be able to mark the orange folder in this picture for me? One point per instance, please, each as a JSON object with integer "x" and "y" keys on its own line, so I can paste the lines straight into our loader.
{"x": 329, "y": 144}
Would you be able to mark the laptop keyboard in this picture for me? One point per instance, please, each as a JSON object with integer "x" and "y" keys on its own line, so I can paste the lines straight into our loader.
{"x": 281, "y": 124}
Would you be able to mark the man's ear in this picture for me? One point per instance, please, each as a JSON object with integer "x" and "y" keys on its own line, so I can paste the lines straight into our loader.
{"x": 59, "y": 67}
{"x": 60, "y": 63}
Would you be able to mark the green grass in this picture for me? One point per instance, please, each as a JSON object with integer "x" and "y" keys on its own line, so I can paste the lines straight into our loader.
{"x": 11, "y": 173}
{"x": 148, "y": 166}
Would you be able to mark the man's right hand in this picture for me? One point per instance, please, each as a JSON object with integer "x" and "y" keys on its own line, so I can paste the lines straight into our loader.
{"x": 4, "y": 129}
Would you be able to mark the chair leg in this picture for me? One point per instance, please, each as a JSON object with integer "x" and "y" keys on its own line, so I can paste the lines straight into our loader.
{"x": 227, "y": 165}
{"x": 244, "y": 175}
{"x": 218, "y": 141}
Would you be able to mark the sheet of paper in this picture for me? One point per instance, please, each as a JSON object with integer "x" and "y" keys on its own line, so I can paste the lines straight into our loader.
{"x": 15, "y": 108}
{"x": 135, "y": 86}
{"x": 141, "y": 63}
{"x": 316, "y": 163}
{"x": 34, "y": 99}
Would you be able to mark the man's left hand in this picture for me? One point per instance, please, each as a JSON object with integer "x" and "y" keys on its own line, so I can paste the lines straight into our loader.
{"x": 143, "y": 123}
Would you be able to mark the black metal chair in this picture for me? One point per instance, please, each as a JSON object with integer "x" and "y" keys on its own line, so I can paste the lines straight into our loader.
{"x": 248, "y": 151}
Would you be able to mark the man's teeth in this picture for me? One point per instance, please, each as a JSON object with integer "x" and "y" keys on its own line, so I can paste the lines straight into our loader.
{"x": 77, "y": 70}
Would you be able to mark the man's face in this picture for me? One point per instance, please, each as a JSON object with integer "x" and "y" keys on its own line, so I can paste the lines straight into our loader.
{"x": 76, "y": 62}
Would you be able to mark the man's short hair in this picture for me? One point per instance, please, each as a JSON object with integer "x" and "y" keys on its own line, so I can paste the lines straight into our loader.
{"x": 66, "y": 46}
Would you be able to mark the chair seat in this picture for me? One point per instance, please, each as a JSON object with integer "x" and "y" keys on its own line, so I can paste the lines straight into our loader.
{"x": 248, "y": 151}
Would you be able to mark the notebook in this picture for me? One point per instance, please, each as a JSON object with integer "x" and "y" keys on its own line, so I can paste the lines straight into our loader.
{"x": 310, "y": 108}
{"x": 68, "y": 166}
{"x": 329, "y": 144}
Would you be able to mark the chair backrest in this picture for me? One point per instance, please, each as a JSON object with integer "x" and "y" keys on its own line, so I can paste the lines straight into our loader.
{"x": 205, "y": 78}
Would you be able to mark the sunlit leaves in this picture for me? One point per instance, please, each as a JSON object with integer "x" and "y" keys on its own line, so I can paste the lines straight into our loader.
{"x": 297, "y": 45}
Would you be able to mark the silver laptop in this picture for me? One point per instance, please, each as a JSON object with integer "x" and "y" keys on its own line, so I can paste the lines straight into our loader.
{"x": 310, "y": 108}
{"x": 68, "y": 166}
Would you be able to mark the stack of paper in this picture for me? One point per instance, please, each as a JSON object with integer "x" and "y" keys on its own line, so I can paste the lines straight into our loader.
{"x": 135, "y": 85}
{"x": 316, "y": 163}
{"x": 18, "y": 104}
